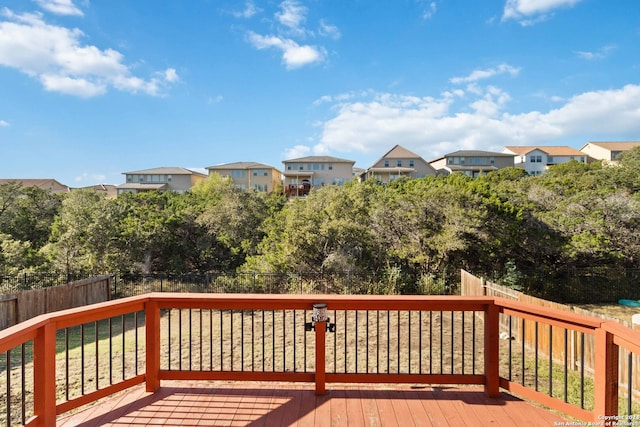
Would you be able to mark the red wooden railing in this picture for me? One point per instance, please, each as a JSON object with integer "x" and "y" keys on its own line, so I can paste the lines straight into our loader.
{"x": 41, "y": 332}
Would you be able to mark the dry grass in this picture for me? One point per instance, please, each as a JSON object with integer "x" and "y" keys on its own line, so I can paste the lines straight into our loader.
{"x": 615, "y": 311}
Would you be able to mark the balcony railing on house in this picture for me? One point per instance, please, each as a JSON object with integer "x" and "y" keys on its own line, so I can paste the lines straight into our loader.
{"x": 58, "y": 362}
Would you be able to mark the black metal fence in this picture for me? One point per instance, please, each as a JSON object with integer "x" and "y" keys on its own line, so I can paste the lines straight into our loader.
{"x": 37, "y": 280}
{"x": 593, "y": 285}
{"x": 268, "y": 283}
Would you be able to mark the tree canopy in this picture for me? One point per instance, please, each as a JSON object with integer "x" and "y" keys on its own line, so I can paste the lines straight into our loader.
{"x": 574, "y": 216}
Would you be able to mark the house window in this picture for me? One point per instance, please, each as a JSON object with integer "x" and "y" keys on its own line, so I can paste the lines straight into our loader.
{"x": 492, "y": 160}
{"x": 536, "y": 159}
{"x": 386, "y": 163}
{"x": 462, "y": 160}
{"x": 550, "y": 159}
{"x": 316, "y": 166}
{"x": 410, "y": 163}
{"x": 330, "y": 166}
{"x": 237, "y": 173}
{"x": 169, "y": 178}
{"x": 399, "y": 164}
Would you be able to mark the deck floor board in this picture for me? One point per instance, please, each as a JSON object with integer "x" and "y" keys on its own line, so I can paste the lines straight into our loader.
{"x": 219, "y": 403}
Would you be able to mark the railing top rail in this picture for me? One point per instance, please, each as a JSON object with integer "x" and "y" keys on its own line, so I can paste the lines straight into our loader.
{"x": 25, "y": 331}
{"x": 334, "y": 302}
{"x": 623, "y": 335}
{"x": 550, "y": 315}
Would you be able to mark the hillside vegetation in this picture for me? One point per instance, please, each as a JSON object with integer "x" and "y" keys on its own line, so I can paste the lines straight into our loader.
{"x": 532, "y": 233}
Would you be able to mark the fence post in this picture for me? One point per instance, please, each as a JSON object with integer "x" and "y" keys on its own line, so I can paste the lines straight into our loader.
{"x": 152, "y": 331}
{"x": 492, "y": 350}
{"x": 606, "y": 375}
{"x": 44, "y": 388}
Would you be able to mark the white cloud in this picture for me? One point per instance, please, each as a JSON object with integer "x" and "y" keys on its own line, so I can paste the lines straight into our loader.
{"x": 529, "y": 12}
{"x": 4, "y": 124}
{"x": 433, "y": 127}
{"x": 428, "y": 9}
{"x": 339, "y": 98}
{"x": 601, "y": 53}
{"x": 90, "y": 177}
{"x": 477, "y": 75}
{"x": 56, "y": 57}
{"x": 249, "y": 11}
{"x": 292, "y": 15}
{"x": 293, "y": 54}
{"x": 297, "y": 152}
{"x": 327, "y": 30}
{"x": 171, "y": 75}
{"x": 60, "y": 7}
{"x": 215, "y": 99}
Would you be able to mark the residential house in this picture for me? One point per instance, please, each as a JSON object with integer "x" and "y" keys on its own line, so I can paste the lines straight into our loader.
{"x": 304, "y": 173}
{"x": 537, "y": 159}
{"x": 250, "y": 175}
{"x": 472, "y": 162}
{"x": 160, "y": 179}
{"x": 608, "y": 151}
{"x": 50, "y": 185}
{"x": 396, "y": 163}
{"x": 106, "y": 189}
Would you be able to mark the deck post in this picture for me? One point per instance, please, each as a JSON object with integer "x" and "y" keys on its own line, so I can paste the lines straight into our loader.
{"x": 44, "y": 361}
{"x": 606, "y": 375}
{"x": 152, "y": 331}
{"x": 492, "y": 350}
{"x": 320, "y": 325}
{"x": 321, "y": 330}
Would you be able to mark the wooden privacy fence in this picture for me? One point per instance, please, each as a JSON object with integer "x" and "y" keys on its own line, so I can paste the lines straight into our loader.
{"x": 21, "y": 306}
{"x": 581, "y": 348}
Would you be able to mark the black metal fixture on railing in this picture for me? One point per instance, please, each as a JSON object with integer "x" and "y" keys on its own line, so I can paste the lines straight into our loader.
{"x": 320, "y": 314}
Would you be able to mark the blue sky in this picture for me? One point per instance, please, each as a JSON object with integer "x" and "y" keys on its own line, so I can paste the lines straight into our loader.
{"x": 92, "y": 89}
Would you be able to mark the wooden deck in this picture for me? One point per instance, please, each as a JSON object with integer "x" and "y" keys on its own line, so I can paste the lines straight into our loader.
{"x": 181, "y": 403}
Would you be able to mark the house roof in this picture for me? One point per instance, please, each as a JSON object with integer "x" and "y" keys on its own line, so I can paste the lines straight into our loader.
{"x": 477, "y": 153}
{"x": 240, "y": 165}
{"x": 552, "y": 150}
{"x": 165, "y": 171}
{"x": 399, "y": 152}
{"x": 108, "y": 189}
{"x": 47, "y": 184}
{"x": 142, "y": 186}
{"x": 614, "y": 145}
{"x": 319, "y": 159}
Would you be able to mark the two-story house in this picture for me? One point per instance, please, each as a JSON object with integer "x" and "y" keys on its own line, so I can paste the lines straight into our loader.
{"x": 304, "y": 173}
{"x": 396, "y": 163}
{"x": 160, "y": 179}
{"x": 608, "y": 151}
{"x": 472, "y": 162}
{"x": 537, "y": 159}
{"x": 250, "y": 175}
